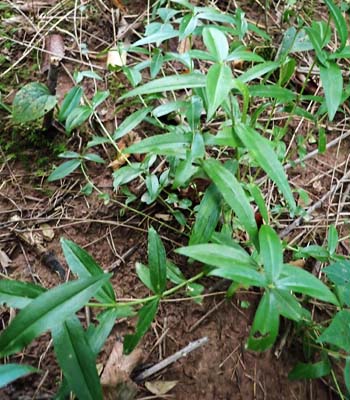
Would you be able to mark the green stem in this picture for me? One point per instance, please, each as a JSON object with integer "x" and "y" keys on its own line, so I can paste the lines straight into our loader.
{"x": 150, "y": 298}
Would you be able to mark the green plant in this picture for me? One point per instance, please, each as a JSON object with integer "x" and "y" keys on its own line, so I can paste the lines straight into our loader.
{"x": 220, "y": 138}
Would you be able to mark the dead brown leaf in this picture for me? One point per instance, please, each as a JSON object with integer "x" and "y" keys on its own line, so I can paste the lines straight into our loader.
{"x": 54, "y": 46}
{"x": 115, "y": 379}
{"x": 5, "y": 260}
{"x": 160, "y": 388}
{"x": 121, "y": 158}
{"x": 119, "y": 4}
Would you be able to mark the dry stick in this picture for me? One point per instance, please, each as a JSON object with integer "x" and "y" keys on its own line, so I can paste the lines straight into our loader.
{"x": 314, "y": 207}
{"x": 171, "y": 359}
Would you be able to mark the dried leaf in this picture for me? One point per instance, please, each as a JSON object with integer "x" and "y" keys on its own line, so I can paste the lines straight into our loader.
{"x": 5, "y": 260}
{"x": 184, "y": 46}
{"x": 54, "y": 47}
{"x": 160, "y": 388}
{"x": 115, "y": 378}
{"x": 116, "y": 57}
{"x": 164, "y": 217}
{"x": 131, "y": 138}
{"x": 48, "y": 232}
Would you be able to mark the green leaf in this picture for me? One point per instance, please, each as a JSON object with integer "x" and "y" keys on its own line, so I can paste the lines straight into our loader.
{"x": 243, "y": 55}
{"x": 242, "y": 275}
{"x": 218, "y": 86}
{"x": 126, "y": 174}
{"x": 347, "y": 374}
{"x": 99, "y": 98}
{"x": 218, "y": 255}
{"x": 82, "y": 264}
{"x": 187, "y": 26}
{"x": 271, "y": 252}
{"x": 319, "y": 34}
{"x": 77, "y": 117}
{"x": 164, "y": 32}
{"x": 173, "y": 82}
{"x": 76, "y": 359}
{"x": 194, "y": 111}
{"x": 332, "y": 82}
{"x": 170, "y": 144}
{"x": 207, "y": 216}
{"x": 156, "y": 261}
{"x": 70, "y": 102}
{"x": 265, "y": 325}
{"x": 338, "y": 332}
{"x": 146, "y": 315}
{"x": 64, "y": 169}
{"x": 144, "y": 275}
{"x": 33, "y": 101}
{"x": 94, "y": 158}
{"x": 286, "y": 304}
{"x": 233, "y": 194}
{"x": 315, "y": 251}
{"x": 339, "y": 21}
{"x": 278, "y": 93}
{"x": 261, "y": 151}
{"x": 97, "y": 335}
{"x": 332, "y": 239}
{"x": 216, "y": 43}
{"x": 258, "y": 70}
{"x": 310, "y": 370}
{"x": 131, "y": 122}
{"x": 42, "y": 313}
{"x": 259, "y": 200}
{"x": 339, "y": 274}
{"x": 11, "y": 372}
{"x": 18, "y": 294}
{"x": 80, "y": 75}
{"x": 301, "y": 281}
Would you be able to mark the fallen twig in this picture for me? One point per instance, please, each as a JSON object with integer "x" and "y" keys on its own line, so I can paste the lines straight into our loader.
{"x": 171, "y": 359}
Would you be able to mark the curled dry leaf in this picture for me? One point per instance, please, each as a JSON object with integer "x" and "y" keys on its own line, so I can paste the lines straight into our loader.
{"x": 160, "y": 388}
{"x": 116, "y": 56}
{"x": 54, "y": 51}
{"x": 184, "y": 46}
{"x": 48, "y": 232}
{"x": 115, "y": 379}
{"x": 127, "y": 140}
{"x": 5, "y": 260}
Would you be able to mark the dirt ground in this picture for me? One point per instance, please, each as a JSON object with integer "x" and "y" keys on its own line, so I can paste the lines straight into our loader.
{"x": 116, "y": 238}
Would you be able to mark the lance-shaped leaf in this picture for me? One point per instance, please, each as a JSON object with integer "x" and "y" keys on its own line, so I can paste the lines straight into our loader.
{"x": 216, "y": 43}
{"x": 332, "y": 82}
{"x": 258, "y": 70}
{"x": 64, "y": 169}
{"x": 82, "y": 264}
{"x": 301, "y": 281}
{"x": 11, "y": 372}
{"x": 265, "y": 325}
{"x": 76, "y": 359}
{"x": 207, "y": 216}
{"x": 271, "y": 252}
{"x": 173, "y": 82}
{"x": 70, "y": 102}
{"x": 131, "y": 122}
{"x": 234, "y": 195}
{"x": 263, "y": 154}
{"x": 18, "y": 294}
{"x": 156, "y": 261}
{"x": 340, "y": 22}
{"x": 43, "y": 312}
{"x": 146, "y": 315}
{"x": 218, "y": 86}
